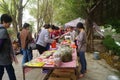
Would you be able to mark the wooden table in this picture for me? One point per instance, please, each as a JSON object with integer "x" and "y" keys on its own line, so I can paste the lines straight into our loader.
{"x": 65, "y": 65}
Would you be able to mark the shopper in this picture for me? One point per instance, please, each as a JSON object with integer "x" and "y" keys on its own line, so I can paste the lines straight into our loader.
{"x": 81, "y": 42}
{"x": 7, "y": 55}
{"x": 26, "y": 38}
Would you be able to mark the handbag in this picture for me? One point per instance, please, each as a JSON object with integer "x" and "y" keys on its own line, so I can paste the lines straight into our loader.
{"x": 32, "y": 45}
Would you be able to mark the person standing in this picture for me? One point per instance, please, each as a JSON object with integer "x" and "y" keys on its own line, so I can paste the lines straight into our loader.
{"x": 26, "y": 38}
{"x": 7, "y": 55}
{"x": 70, "y": 32}
{"x": 81, "y": 42}
{"x": 44, "y": 39}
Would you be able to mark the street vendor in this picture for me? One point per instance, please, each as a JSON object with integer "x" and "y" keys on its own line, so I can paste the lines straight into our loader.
{"x": 44, "y": 39}
{"x": 70, "y": 33}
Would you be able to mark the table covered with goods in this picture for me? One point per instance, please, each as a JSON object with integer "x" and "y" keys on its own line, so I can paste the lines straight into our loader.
{"x": 62, "y": 60}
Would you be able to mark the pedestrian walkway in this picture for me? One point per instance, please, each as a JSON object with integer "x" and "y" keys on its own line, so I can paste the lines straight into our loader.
{"x": 97, "y": 70}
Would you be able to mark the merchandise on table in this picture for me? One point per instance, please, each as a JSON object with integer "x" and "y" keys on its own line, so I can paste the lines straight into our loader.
{"x": 47, "y": 54}
{"x": 57, "y": 58}
{"x": 48, "y": 61}
{"x": 57, "y": 62}
{"x": 65, "y": 53}
{"x": 53, "y": 45}
{"x": 36, "y": 64}
{"x": 53, "y": 57}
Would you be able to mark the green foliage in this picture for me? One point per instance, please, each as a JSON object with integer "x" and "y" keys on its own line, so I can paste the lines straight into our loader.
{"x": 32, "y": 28}
{"x": 108, "y": 30}
{"x": 43, "y": 9}
{"x": 68, "y": 10}
{"x": 115, "y": 24}
{"x": 12, "y": 34}
{"x": 110, "y": 44}
{"x": 4, "y": 7}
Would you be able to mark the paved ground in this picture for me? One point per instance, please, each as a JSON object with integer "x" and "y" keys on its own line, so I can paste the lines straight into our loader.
{"x": 97, "y": 70}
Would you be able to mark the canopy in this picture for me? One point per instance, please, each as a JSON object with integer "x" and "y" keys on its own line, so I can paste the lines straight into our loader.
{"x": 74, "y": 22}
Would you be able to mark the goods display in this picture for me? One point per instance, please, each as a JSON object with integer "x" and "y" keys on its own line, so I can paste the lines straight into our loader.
{"x": 48, "y": 61}
{"x": 62, "y": 57}
{"x": 65, "y": 52}
{"x": 40, "y": 64}
{"x": 42, "y": 60}
{"x": 53, "y": 45}
{"x": 57, "y": 58}
{"x": 47, "y": 54}
{"x": 57, "y": 62}
{"x": 53, "y": 57}
{"x": 66, "y": 42}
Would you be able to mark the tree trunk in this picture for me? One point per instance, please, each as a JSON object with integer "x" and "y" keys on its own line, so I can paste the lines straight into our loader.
{"x": 89, "y": 29}
{"x": 15, "y": 26}
{"x": 20, "y": 14}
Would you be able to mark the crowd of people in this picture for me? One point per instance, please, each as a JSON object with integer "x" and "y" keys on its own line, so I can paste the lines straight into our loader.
{"x": 43, "y": 40}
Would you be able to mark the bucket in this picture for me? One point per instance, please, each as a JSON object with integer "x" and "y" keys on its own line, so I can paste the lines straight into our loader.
{"x": 53, "y": 44}
{"x": 96, "y": 55}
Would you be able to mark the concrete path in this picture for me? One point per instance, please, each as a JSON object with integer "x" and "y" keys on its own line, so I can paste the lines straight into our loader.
{"x": 97, "y": 70}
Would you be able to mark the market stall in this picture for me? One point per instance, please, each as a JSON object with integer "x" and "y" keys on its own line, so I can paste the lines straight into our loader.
{"x": 74, "y": 22}
{"x": 50, "y": 59}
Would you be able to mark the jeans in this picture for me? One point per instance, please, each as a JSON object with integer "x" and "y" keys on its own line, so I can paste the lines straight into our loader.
{"x": 10, "y": 71}
{"x": 27, "y": 55}
{"x": 48, "y": 46}
{"x": 83, "y": 62}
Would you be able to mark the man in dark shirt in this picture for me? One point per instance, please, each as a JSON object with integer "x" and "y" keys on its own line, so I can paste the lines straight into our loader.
{"x": 1, "y": 43}
{"x": 6, "y": 51}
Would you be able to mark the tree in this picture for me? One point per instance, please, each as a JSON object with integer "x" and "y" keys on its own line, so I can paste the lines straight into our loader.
{"x": 111, "y": 15}
{"x": 64, "y": 11}
{"x": 20, "y": 6}
{"x": 71, "y": 9}
{"x": 44, "y": 10}
{"x": 5, "y": 7}
{"x": 91, "y": 6}
{"x": 15, "y": 9}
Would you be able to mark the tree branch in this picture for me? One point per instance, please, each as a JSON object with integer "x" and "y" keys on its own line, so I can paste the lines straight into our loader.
{"x": 93, "y": 8}
{"x": 25, "y": 3}
{"x": 16, "y": 3}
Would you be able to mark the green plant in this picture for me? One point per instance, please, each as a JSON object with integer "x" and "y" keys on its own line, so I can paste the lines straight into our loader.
{"x": 110, "y": 44}
{"x": 12, "y": 34}
{"x": 108, "y": 30}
